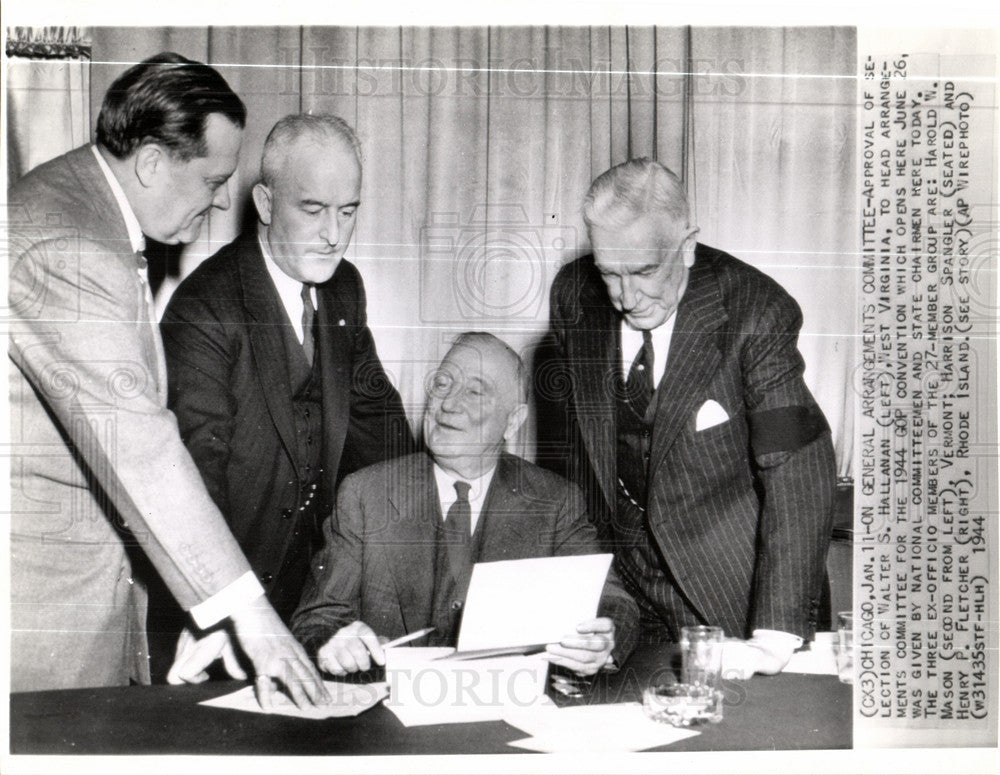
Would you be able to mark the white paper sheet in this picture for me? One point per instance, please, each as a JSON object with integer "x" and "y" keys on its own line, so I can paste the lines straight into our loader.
{"x": 518, "y": 602}
{"x": 818, "y": 660}
{"x": 425, "y": 690}
{"x": 348, "y": 700}
{"x": 592, "y": 729}
{"x": 420, "y": 716}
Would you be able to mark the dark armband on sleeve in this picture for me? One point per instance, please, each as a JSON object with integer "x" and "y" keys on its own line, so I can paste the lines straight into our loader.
{"x": 786, "y": 429}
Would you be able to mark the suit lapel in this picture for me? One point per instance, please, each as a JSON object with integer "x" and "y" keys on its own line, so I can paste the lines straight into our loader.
{"x": 507, "y": 527}
{"x": 694, "y": 357}
{"x": 106, "y": 210}
{"x": 267, "y": 319}
{"x": 410, "y": 537}
{"x": 335, "y": 327}
{"x": 592, "y": 349}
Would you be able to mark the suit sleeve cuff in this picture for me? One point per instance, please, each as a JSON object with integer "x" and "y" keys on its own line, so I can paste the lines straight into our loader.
{"x": 237, "y": 595}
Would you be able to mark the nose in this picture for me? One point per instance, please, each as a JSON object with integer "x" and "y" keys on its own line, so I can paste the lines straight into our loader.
{"x": 629, "y": 293}
{"x": 330, "y": 230}
{"x": 221, "y": 198}
{"x": 452, "y": 399}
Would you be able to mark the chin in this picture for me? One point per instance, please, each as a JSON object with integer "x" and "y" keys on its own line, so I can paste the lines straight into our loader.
{"x": 322, "y": 269}
{"x": 646, "y": 323}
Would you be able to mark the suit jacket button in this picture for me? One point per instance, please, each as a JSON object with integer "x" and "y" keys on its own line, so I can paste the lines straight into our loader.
{"x": 286, "y": 513}
{"x": 266, "y": 578}
{"x": 456, "y": 605}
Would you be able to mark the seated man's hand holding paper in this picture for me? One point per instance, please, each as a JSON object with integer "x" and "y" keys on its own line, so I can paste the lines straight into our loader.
{"x": 587, "y": 650}
{"x": 350, "y": 650}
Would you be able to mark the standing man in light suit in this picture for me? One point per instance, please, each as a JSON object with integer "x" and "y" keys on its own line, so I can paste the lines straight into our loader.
{"x": 98, "y": 466}
{"x": 274, "y": 378}
{"x": 677, "y": 402}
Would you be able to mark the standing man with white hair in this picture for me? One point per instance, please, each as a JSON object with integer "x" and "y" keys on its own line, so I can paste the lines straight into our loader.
{"x": 677, "y": 402}
{"x": 273, "y": 372}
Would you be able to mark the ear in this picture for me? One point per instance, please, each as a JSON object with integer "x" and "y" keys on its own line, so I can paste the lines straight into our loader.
{"x": 690, "y": 243}
{"x": 150, "y": 160}
{"x": 263, "y": 199}
{"x": 515, "y": 419}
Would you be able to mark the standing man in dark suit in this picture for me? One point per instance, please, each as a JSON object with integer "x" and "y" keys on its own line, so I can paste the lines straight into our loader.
{"x": 677, "y": 401}
{"x": 401, "y": 545}
{"x": 274, "y": 377}
{"x": 98, "y": 467}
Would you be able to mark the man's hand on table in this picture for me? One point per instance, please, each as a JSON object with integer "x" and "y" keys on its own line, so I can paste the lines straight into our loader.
{"x": 351, "y": 649}
{"x": 767, "y": 653}
{"x": 277, "y": 658}
{"x": 193, "y": 655}
{"x": 587, "y": 650}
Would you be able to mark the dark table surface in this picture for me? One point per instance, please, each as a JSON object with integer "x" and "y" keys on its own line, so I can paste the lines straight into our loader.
{"x": 783, "y": 712}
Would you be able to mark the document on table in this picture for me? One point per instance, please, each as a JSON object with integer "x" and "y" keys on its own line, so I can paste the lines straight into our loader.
{"x": 818, "y": 659}
{"x": 424, "y": 689}
{"x": 535, "y": 601}
{"x": 613, "y": 728}
{"x": 348, "y": 700}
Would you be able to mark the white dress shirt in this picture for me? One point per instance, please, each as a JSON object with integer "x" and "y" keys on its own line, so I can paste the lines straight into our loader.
{"x": 632, "y": 344}
{"x": 135, "y": 235}
{"x": 289, "y": 289}
{"x": 477, "y": 492}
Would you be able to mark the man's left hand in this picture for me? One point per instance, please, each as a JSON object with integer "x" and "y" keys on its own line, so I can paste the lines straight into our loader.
{"x": 587, "y": 650}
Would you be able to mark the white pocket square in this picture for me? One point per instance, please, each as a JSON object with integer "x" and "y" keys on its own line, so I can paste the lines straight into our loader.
{"x": 710, "y": 414}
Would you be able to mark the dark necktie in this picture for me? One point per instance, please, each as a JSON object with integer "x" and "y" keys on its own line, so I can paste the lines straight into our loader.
{"x": 458, "y": 530}
{"x": 308, "y": 318}
{"x": 640, "y": 376}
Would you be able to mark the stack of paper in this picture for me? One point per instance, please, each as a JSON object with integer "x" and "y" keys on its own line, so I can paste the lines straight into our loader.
{"x": 428, "y": 690}
{"x": 348, "y": 700}
{"x": 591, "y": 729}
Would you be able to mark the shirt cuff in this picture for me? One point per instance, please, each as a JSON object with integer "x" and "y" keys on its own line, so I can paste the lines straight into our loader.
{"x": 778, "y": 641}
{"x": 227, "y": 601}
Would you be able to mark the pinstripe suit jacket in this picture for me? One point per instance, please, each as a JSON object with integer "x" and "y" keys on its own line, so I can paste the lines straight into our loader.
{"x": 97, "y": 462}
{"x": 740, "y": 512}
{"x": 377, "y": 563}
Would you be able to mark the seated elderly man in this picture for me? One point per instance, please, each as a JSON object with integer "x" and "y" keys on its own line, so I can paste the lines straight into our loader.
{"x": 400, "y": 547}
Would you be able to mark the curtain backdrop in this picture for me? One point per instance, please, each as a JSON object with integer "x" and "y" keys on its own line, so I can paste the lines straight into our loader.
{"x": 48, "y": 105}
{"x": 479, "y": 144}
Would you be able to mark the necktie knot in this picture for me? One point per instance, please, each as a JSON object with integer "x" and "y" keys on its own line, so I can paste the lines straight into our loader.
{"x": 462, "y": 490}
